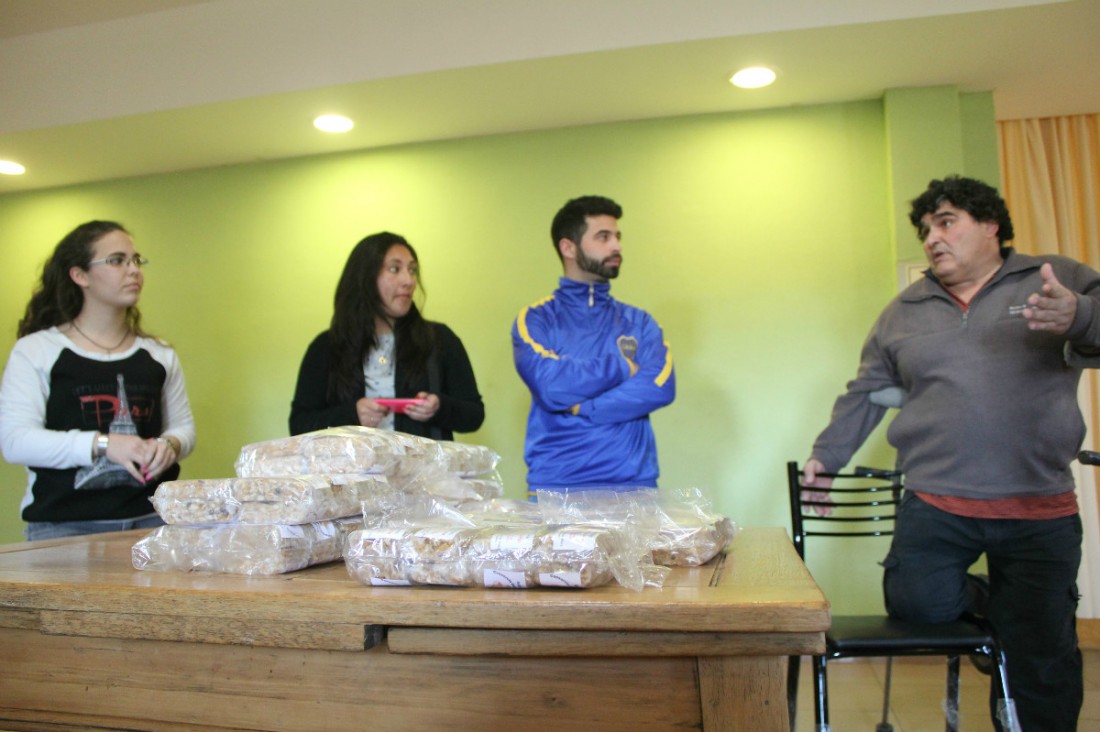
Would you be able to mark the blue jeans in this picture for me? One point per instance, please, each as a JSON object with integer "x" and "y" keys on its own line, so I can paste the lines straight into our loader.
{"x": 35, "y": 530}
{"x": 1032, "y": 598}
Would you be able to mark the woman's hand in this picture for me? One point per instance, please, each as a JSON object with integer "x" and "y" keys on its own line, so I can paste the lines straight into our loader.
{"x": 164, "y": 457}
{"x": 424, "y": 411}
{"x": 370, "y": 412}
{"x": 143, "y": 458}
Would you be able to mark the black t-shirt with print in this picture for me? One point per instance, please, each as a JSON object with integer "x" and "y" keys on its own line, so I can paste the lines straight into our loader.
{"x": 85, "y": 395}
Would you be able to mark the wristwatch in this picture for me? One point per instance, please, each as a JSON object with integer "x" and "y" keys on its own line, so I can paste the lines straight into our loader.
{"x": 100, "y": 445}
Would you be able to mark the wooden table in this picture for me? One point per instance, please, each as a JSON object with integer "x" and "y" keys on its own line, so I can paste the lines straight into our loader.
{"x": 87, "y": 642}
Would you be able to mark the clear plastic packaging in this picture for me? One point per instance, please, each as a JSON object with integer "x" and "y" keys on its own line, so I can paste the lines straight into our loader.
{"x": 450, "y": 487}
{"x": 424, "y": 493}
{"x": 513, "y": 557}
{"x": 691, "y": 532}
{"x": 502, "y": 511}
{"x": 276, "y": 500}
{"x": 426, "y": 459}
{"x": 356, "y": 449}
{"x": 242, "y": 549}
{"x": 680, "y": 526}
{"x": 337, "y": 450}
{"x": 468, "y": 460}
{"x": 1006, "y": 713}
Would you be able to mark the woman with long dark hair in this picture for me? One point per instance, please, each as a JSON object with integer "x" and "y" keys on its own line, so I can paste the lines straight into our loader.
{"x": 379, "y": 349}
{"x": 94, "y": 406}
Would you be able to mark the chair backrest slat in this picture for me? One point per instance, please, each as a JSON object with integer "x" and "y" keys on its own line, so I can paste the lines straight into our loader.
{"x": 859, "y": 509}
{"x": 848, "y": 519}
{"x": 849, "y": 533}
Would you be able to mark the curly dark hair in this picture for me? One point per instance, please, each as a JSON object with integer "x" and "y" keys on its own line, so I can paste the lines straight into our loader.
{"x": 978, "y": 199}
{"x": 570, "y": 222}
{"x": 356, "y": 305}
{"x": 57, "y": 299}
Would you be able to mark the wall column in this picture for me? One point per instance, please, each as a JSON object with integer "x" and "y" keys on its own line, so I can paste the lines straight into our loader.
{"x": 932, "y": 132}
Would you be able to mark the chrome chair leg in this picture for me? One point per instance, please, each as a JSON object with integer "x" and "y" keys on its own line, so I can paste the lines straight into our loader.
{"x": 884, "y": 725}
{"x": 821, "y": 695}
{"x": 1006, "y": 708}
{"x": 952, "y": 709}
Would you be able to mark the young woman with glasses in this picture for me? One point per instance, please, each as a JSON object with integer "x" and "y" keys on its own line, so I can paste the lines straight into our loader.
{"x": 94, "y": 406}
{"x": 380, "y": 363}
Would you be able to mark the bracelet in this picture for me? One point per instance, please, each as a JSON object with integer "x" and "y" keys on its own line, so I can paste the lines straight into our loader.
{"x": 99, "y": 447}
{"x": 170, "y": 444}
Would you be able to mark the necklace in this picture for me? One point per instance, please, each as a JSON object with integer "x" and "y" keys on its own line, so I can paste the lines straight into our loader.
{"x": 99, "y": 345}
{"x": 384, "y": 352}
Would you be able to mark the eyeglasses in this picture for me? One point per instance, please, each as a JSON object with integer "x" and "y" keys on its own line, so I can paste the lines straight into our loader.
{"x": 121, "y": 260}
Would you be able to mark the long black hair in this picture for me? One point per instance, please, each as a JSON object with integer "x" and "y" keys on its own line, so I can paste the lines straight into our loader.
{"x": 356, "y": 306}
{"x": 57, "y": 299}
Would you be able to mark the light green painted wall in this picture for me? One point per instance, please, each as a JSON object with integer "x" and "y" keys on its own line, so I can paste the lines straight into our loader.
{"x": 761, "y": 242}
{"x": 979, "y": 135}
{"x": 932, "y": 132}
{"x": 924, "y": 137}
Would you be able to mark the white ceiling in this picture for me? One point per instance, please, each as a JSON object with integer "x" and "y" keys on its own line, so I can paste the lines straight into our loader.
{"x": 102, "y": 89}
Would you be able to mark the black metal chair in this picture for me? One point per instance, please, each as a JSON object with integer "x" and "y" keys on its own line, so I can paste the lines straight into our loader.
{"x": 863, "y": 504}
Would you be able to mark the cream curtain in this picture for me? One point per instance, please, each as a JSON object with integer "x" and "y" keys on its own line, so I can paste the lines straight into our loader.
{"x": 1051, "y": 170}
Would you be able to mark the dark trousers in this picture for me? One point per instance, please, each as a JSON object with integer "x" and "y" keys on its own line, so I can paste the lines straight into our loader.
{"x": 1032, "y": 598}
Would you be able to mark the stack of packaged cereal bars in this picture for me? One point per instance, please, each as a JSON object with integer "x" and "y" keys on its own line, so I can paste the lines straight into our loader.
{"x": 405, "y": 510}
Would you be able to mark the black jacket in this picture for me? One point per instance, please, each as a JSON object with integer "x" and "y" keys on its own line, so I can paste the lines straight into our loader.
{"x": 460, "y": 405}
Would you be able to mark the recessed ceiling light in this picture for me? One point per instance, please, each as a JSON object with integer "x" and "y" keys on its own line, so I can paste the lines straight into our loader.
{"x": 7, "y": 167}
{"x": 333, "y": 123}
{"x": 753, "y": 77}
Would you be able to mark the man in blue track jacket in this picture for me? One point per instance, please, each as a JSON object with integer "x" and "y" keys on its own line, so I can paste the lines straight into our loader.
{"x": 596, "y": 367}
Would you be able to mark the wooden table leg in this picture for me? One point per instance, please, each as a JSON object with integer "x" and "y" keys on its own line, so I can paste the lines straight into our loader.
{"x": 743, "y": 693}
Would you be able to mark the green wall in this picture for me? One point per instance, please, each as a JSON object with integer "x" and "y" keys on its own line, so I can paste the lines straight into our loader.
{"x": 764, "y": 244}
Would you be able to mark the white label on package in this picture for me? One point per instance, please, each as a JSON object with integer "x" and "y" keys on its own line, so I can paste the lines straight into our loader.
{"x": 325, "y": 529}
{"x": 440, "y": 533}
{"x": 575, "y": 541}
{"x": 560, "y": 579}
{"x": 512, "y": 542}
{"x": 503, "y": 578}
{"x": 383, "y": 582}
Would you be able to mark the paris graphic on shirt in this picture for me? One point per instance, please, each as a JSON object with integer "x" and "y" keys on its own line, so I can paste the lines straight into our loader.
{"x": 103, "y": 473}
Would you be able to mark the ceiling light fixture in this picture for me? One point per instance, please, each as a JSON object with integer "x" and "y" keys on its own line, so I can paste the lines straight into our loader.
{"x": 333, "y": 123}
{"x": 7, "y": 167}
{"x": 753, "y": 77}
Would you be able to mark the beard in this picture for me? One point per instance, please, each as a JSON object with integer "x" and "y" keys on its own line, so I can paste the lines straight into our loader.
{"x": 598, "y": 267}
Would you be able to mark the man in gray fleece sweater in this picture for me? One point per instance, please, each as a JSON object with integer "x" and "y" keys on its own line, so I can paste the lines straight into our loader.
{"x": 986, "y": 352}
